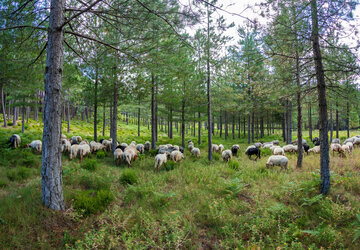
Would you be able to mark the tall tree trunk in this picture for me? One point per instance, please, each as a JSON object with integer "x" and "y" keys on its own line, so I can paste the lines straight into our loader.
{"x": 321, "y": 86}
{"x": 348, "y": 119}
{"x": 115, "y": 109}
{"x": 171, "y": 123}
{"x": 261, "y": 126}
{"x": 245, "y": 127}
{"x": 23, "y": 116}
{"x": 310, "y": 122}
{"x": 183, "y": 121}
{"x": 257, "y": 128}
{"x": 248, "y": 130}
{"x": 96, "y": 102}
{"x": 51, "y": 173}
{"x": 220, "y": 124}
{"x": 139, "y": 119}
{"x": 3, "y": 105}
{"x": 299, "y": 116}
{"x": 233, "y": 127}
{"x": 239, "y": 127}
{"x": 331, "y": 126}
{"x": 284, "y": 123}
{"x": 210, "y": 152}
{"x": 337, "y": 120}
{"x": 199, "y": 129}
{"x": 14, "y": 116}
{"x": 289, "y": 136}
{"x": 68, "y": 117}
{"x": 153, "y": 120}
{"x": 156, "y": 112}
{"x": 253, "y": 127}
{"x": 226, "y": 126}
{"x": 104, "y": 120}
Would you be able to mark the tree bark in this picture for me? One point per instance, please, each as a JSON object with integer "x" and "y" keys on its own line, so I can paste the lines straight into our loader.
{"x": 261, "y": 126}
{"x": 253, "y": 127}
{"x": 104, "y": 121}
{"x": 210, "y": 152}
{"x": 226, "y": 126}
{"x": 51, "y": 173}
{"x": 348, "y": 119}
{"x": 337, "y": 121}
{"x": 115, "y": 109}
{"x": 23, "y": 116}
{"x": 14, "y": 116}
{"x": 171, "y": 123}
{"x": 68, "y": 117}
{"x": 248, "y": 130}
{"x": 233, "y": 127}
{"x": 289, "y": 136}
{"x": 199, "y": 128}
{"x": 3, "y": 105}
{"x": 96, "y": 102}
{"x": 299, "y": 116}
{"x": 153, "y": 120}
{"x": 220, "y": 124}
{"x": 310, "y": 123}
{"x": 321, "y": 87}
{"x": 139, "y": 119}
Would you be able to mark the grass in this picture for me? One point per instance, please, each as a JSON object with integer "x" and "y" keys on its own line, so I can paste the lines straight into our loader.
{"x": 191, "y": 204}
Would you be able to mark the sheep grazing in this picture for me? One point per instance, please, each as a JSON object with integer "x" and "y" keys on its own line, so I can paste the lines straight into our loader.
{"x": 181, "y": 149}
{"x": 107, "y": 144}
{"x": 278, "y": 160}
{"x": 75, "y": 140}
{"x": 346, "y": 148}
{"x": 195, "y": 152}
{"x": 278, "y": 151}
{"x": 335, "y": 147}
{"x": 248, "y": 148}
{"x": 84, "y": 142}
{"x": 351, "y": 139}
{"x": 221, "y": 148}
{"x": 315, "y": 150}
{"x": 295, "y": 142}
{"x": 273, "y": 148}
{"x": 258, "y": 144}
{"x": 35, "y": 145}
{"x": 253, "y": 151}
{"x": 122, "y": 146}
{"x": 65, "y": 146}
{"x": 215, "y": 147}
{"x": 160, "y": 160}
{"x": 15, "y": 141}
{"x": 350, "y": 144}
{"x": 234, "y": 149}
{"x": 84, "y": 150}
{"x": 118, "y": 156}
{"x": 290, "y": 148}
{"x": 226, "y": 155}
{"x": 191, "y": 147}
{"x": 129, "y": 155}
{"x": 356, "y": 142}
{"x": 175, "y": 147}
{"x": 147, "y": 146}
{"x": 268, "y": 145}
{"x": 176, "y": 156}
{"x": 74, "y": 151}
{"x": 336, "y": 140}
{"x": 314, "y": 140}
{"x": 63, "y": 136}
{"x": 306, "y": 148}
{"x": 140, "y": 148}
{"x": 276, "y": 142}
{"x": 96, "y": 146}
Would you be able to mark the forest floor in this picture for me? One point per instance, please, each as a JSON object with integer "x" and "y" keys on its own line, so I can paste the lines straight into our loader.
{"x": 192, "y": 204}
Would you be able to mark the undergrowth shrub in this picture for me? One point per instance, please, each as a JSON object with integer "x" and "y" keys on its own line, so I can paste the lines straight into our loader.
{"x": 234, "y": 164}
{"x": 216, "y": 156}
{"x": 100, "y": 154}
{"x": 266, "y": 152}
{"x": 91, "y": 181}
{"x": 128, "y": 177}
{"x": 3, "y": 183}
{"x": 89, "y": 164}
{"x": 169, "y": 165}
{"x": 91, "y": 201}
{"x": 153, "y": 152}
{"x": 18, "y": 174}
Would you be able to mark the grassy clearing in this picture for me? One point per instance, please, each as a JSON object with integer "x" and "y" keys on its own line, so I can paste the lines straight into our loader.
{"x": 192, "y": 204}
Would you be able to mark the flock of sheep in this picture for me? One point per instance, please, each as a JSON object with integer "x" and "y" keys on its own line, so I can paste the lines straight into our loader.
{"x": 76, "y": 147}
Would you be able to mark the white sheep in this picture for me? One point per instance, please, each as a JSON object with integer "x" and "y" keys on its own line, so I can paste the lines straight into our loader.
{"x": 275, "y": 142}
{"x": 258, "y": 144}
{"x": 226, "y": 155}
{"x": 315, "y": 150}
{"x": 35, "y": 145}
{"x": 289, "y": 148}
{"x": 195, "y": 152}
{"x": 169, "y": 145}
{"x": 350, "y": 144}
{"x": 84, "y": 142}
{"x": 215, "y": 147}
{"x": 268, "y": 145}
{"x": 147, "y": 146}
{"x": 335, "y": 147}
{"x": 129, "y": 155}
{"x": 74, "y": 151}
{"x": 346, "y": 148}
{"x": 118, "y": 156}
{"x": 63, "y": 136}
{"x": 278, "y": 151}
{"x": 160, "y": 160}
{"x": 140, "y": 148}
{"x": 351, "y": 139}
{"x": 96, "y": 146}
{"x": 176, "y": 147}
{"x": 15, "y": 141}
{"x": 65, "y": 146}
{"x": 107, "y": 144}
{"x": 272, "y": 148}
{"x": 191, "y": 147}
{"x": 356, "y": 142}
{"x": 221, "y": 148}
{"x": 84, "y": 150}
{"x": 336, "y": 140}
{"x": 176, "y": 156}
{"x": 163, "y": 147}
{"x": 277, "y": 160}
{"x": 76, "y": 140}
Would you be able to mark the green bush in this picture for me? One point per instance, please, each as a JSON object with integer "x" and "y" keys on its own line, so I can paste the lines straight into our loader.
{"x": 29, "y": 159}
{"x": 90, "y": 181}
{"x": 234, "y": 164}
{"x": 169, "y": 165}
{"x": 89, "y": 164}
{"x": 153, "y": 152}
{"x": 91, "y": 201}
{"x": 128, "y": 177}
{"x": 266, "y": 152}
{"x": 3, "y": 183}
{"x": 100, "y": 154}
{"x": 18, "y": 174}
